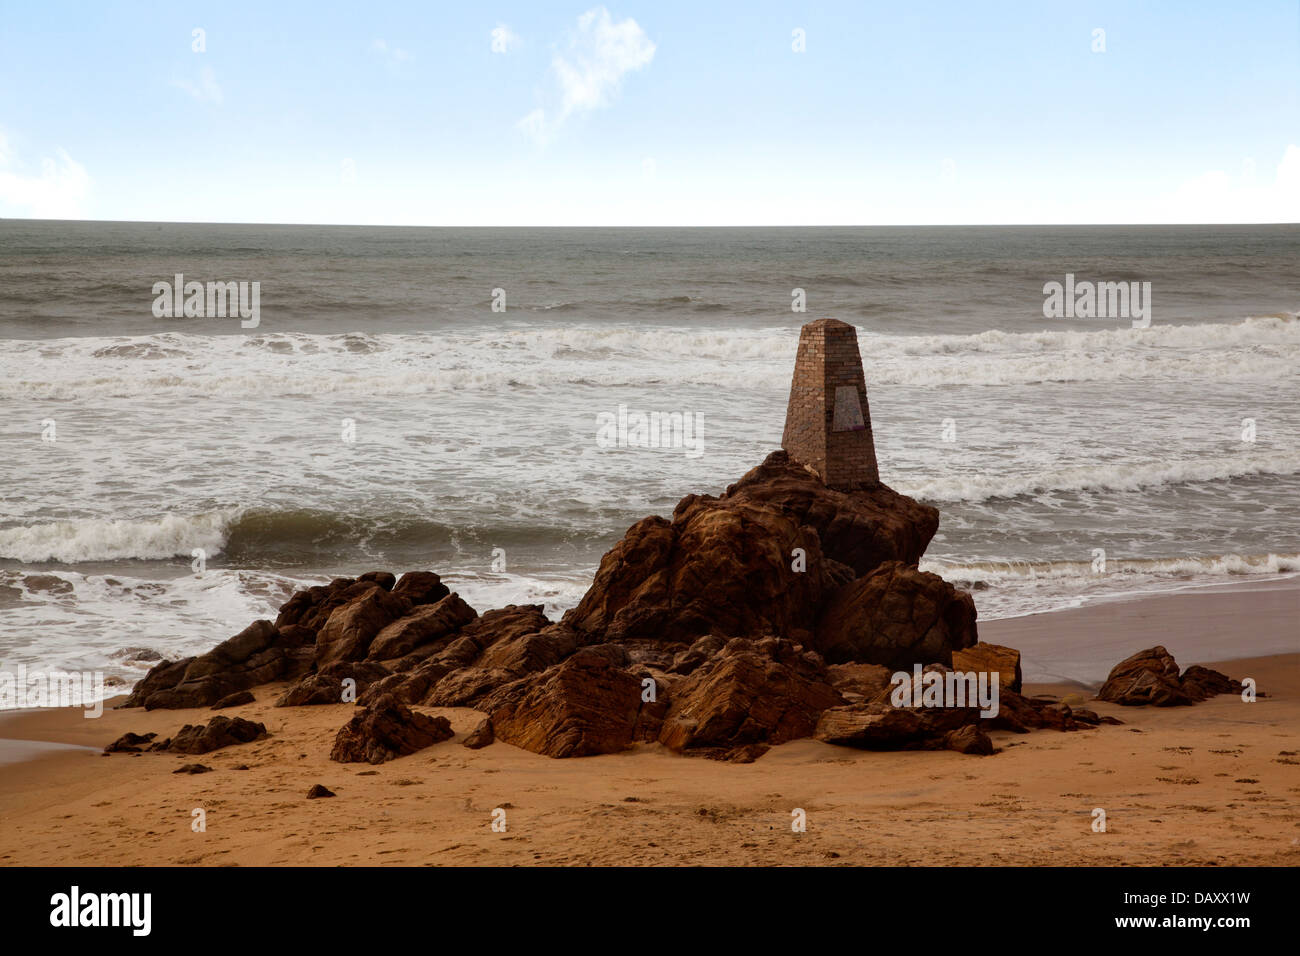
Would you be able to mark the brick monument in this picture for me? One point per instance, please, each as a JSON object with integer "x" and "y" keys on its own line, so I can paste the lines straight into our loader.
{"x": 828, "y": 423}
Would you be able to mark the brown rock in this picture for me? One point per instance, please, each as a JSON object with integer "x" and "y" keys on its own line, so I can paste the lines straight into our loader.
{"x": 319, "y": 790}
{"x": 251, "y": 657}
{"x": 193, "y": 768}
{"x": 351, "y": 627}
{"x": 968, "y": 740}
{"x": 129, "y": 743}
{"x": 385, "y": 730}
{"x": 220, "y": 731}
{"x": 990, "y": 658}
{"x": 1148, "y": 677}
{"x": 480, "y": 736}
{"x": 1201, "y": 683}
{"x": 748, "y": 694}
{"x": 896, "y": 616}
{"x": 421, "y": 587}
{"x": 585, "y": 705}
{"x": 237, "y": 699}
{"x": 425, "y": 624}
{"x": 527, "y": 653}
{"x": 864, "y": 680}
{"x": 465, "y": 687}
{"x": 327, "y": 686}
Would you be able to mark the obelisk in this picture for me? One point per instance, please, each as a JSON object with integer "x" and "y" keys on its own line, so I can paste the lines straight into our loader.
{"x": 828, "y": 423}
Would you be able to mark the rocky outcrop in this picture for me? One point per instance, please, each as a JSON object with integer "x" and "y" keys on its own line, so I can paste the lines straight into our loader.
{"x": 768, "y": 692}
{"x": 258, "y": 654}
{"x": 757, "y": 561}
{"x": 347, "y": 635}
{"x": 1151, "y": 677}
{"x": 424, "y": 625}
{"x": 385, "y": 730}
{"x": 588, "y": 704}
{"x": 896, "y": 616}
{"x": 709, "y": 632}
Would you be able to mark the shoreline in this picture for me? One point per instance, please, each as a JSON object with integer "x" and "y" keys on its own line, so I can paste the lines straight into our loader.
{"x": 1212, "y": 784}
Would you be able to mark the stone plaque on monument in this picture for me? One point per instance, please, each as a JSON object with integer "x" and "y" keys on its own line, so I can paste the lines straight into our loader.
{"x": 848, "y": 411}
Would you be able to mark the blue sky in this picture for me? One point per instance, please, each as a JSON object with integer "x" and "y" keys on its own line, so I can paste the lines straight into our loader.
{"x": 659, "y": 113}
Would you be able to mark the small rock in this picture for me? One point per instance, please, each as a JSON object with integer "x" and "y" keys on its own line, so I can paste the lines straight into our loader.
{"x": 318, "y": 790}
{"x": 236, "y": 699}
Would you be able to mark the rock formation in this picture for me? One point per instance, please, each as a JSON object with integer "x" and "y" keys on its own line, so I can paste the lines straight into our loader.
{"x": 1151, "y": 677}
{"x": 773, "y": 611}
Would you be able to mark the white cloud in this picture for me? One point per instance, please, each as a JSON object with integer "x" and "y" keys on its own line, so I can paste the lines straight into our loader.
{"x": 1217, "y": 196}
{"x": 57, "y": 193}
{"x": 206, "y": 90}
{"x": 504, "y": 39}
{"x": 393, "y": 56}
{"x": 591, "y": 67}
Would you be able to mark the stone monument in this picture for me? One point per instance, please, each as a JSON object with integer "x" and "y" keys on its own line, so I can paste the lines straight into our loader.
{"x": 828, "y": 422}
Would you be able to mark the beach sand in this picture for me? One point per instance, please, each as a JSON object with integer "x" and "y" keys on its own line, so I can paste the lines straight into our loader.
{"x": 1217, "y": 783}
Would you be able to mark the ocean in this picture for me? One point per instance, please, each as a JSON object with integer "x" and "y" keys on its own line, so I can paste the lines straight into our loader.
{"x": 383, "y": 415}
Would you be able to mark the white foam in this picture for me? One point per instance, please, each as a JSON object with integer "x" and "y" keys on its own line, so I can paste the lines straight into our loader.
{"x": 173, "y": 363}
{"x": 103, "y": 539}
{"x": 1119, "y": 476}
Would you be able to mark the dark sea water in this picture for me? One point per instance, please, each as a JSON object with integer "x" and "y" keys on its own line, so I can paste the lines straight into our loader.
{"x": 1042, "y": 440}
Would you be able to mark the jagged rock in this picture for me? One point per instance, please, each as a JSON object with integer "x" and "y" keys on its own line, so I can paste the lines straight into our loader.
{"x": 347, "y": 635}
{"x": 385, "y": 579}
{"x": 1151, "y": 677}
{"x": 385, "y": 730}
{"x": 318, "y": 791}
{"x": 326, "y": 686}
{"x": 249, "y": 658}
{"x": 421, "y": 587}
{"x": 729, "y": 565}
{"x": 312, "y": 607}
{"x": 527, "y": 653}
{"x": 991, "y": 658}
{"x": 1201, "y": 683}
{"x": 129, "y": 743}
{"x": 896, "y": 616}
{"x": 585, "y": 705}
{"x": 220, "y": 731}
{"x": 1148, "y": 677}
{"x": 860, "y": 529}
{"x": 237, "y": 699}
{"x": 425, "y": 624}
{"x": 480, "y": 736}
{"x": 765, "y": 692}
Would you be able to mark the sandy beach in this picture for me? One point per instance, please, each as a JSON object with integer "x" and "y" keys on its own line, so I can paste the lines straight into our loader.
{"x": 1217, "y": 783}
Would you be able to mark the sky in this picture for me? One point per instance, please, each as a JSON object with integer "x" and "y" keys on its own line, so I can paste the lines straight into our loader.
{"x": 651, "y": 113}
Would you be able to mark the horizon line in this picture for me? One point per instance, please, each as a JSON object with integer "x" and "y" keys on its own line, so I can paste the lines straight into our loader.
{"x": 863, "y": 225}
